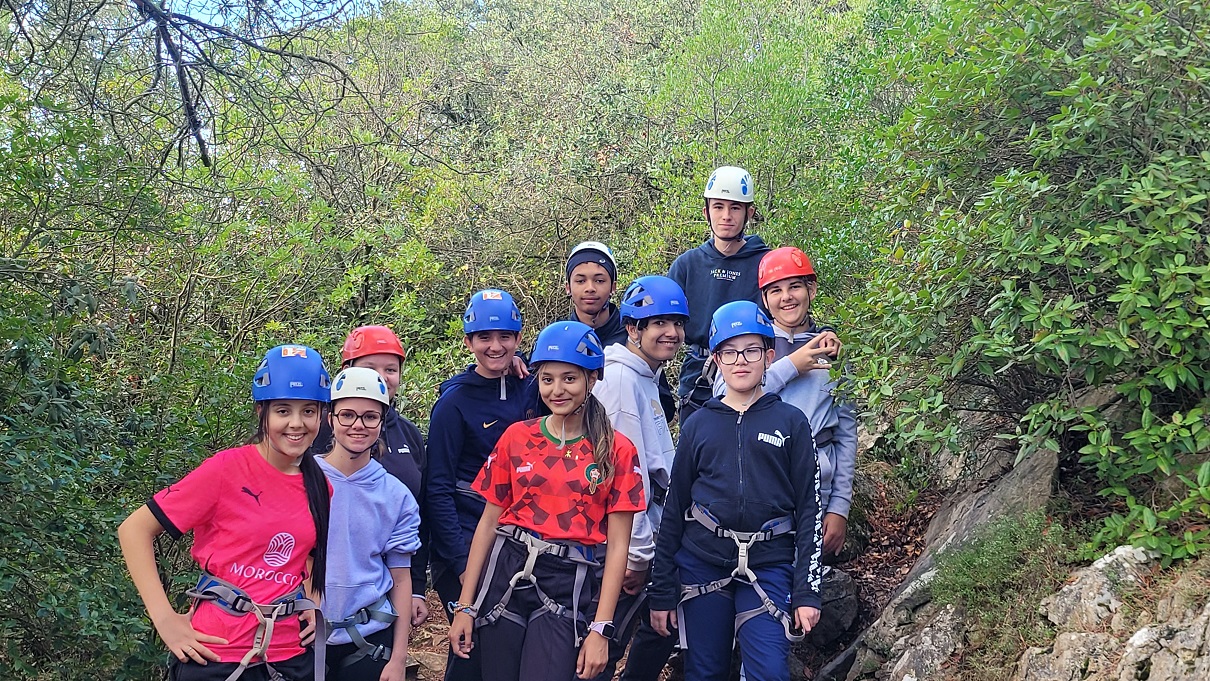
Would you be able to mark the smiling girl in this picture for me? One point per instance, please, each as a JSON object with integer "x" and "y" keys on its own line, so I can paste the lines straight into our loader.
{"x": 555, "y": 488}
{"x": 375, "y": 523}
{"x": 259, "y": 517}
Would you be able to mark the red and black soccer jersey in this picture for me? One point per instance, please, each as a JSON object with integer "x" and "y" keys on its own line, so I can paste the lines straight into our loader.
{"x": 557, "y": 491}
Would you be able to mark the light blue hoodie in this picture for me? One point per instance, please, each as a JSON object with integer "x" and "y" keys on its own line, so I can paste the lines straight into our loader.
{"x": 373, "y": 527}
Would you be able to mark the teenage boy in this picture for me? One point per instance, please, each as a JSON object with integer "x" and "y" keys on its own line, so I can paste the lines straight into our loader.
{"x": 654, "y": 311}
{"x": 592, "y": 279}
{"x": 473, "y": 410}
{"x": 721, "y": 270}
{"x": 738, "y": 555}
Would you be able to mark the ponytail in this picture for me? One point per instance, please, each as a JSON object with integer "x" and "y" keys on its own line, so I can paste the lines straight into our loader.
{"x": 599, "y": 432}
{"x": 316, "y": 484}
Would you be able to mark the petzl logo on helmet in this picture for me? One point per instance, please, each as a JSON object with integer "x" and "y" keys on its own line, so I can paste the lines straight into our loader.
{"x": 280, "y": 548}
{"x": 293, "y": 351}
{"x": 296, "y": 384}
{"x": 735, "y": 324}
{"x": 553, "y": 348}
{"x": 492, "y": 295}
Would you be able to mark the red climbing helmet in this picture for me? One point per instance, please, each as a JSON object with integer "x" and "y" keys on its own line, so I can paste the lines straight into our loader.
{"x": 783, "y": 263}
{"x": 371, "y": 340}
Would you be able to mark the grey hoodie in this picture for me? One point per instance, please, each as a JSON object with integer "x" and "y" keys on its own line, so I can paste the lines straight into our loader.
{"x": 631, "y": 396}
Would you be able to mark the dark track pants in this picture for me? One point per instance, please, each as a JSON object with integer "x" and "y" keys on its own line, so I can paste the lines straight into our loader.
{"x": 649, "y": 651}
{"x": 709, "y": 623}
{"x": 450, "y": 589}
{"x": 545, "y": 649}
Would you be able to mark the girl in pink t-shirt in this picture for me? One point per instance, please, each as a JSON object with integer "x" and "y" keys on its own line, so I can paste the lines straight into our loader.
{"x": 259, "y": 517}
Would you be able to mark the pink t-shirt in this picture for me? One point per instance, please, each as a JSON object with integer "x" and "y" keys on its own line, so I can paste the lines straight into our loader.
{"x": 251, "y": 527}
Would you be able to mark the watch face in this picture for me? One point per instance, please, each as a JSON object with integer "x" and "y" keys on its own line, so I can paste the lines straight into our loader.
{"x": 606, "y": 629}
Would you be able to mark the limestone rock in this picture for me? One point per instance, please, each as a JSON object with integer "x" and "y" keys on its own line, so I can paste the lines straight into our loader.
{"x": 922, "y": 655}
{"x": 1074, "y": 657}
{"x": 1091, "y": 598}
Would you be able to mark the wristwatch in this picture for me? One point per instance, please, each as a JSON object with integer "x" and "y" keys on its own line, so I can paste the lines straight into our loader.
{"x": 605, "y": 629}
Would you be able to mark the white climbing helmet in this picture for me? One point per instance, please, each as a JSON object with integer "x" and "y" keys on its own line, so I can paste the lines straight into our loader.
{"x": 731, "y": 183}
{"x": 360, "y": 382}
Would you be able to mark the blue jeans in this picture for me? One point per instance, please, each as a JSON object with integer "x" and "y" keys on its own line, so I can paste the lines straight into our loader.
{"x": 709, "y": 623}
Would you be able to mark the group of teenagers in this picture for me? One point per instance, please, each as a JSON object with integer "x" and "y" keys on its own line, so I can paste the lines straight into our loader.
{"x": 549, "y": 506}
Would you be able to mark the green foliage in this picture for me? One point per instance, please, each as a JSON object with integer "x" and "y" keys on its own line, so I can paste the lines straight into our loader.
{"x": 998, "y": 579}
{"x": 1052, "y": 269}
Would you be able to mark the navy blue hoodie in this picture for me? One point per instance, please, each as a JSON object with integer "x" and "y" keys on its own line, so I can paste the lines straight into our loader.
{"x": 710, "y": 280}
{"x": 467, "y": 420}
{"x": 745, "y": 469}
{"x": 402, "y": 458}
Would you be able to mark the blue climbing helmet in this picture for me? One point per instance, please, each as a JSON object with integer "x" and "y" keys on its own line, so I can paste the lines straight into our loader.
{"x": 491, "y": 310}
{"x": 738, "y": 318}
{"x": 652, "y": 296}
{"x": 291, "y": 372}
{"x": 571, "y": 342}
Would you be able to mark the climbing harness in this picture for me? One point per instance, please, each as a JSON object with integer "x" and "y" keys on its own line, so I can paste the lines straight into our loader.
{"x": 378, "y": 612}
{"x": 582, "y": 556}
{"x": 742, "y": 572}
{"x": 232, "y": 600}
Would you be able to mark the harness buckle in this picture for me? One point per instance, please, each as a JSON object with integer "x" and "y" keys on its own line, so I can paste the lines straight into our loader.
{"x": 380, "y": 652}
{"x": 242, "y": 603}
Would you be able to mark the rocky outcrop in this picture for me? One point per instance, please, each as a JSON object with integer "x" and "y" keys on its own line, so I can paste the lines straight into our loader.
{"x": 912, "y": 638}
{"x": 1099, "y": 640}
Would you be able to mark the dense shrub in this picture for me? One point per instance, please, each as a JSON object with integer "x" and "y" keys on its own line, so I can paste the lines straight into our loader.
{"x": 1051, "y": 265}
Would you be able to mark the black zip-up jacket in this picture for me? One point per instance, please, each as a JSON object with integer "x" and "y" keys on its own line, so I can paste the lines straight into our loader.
{"x": 466, "y": 421}
{"x": 745, "y": 469}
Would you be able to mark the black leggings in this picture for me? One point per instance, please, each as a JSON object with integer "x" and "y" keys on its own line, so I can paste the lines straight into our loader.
{"x": 298, "y": 668}
{"x": 545, "y": 649}
{"x": 364, "y": 669}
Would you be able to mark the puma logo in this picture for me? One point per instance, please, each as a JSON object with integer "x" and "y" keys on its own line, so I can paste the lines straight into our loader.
{"x": 487, "y": 425}
{"x": 254, "y": 495}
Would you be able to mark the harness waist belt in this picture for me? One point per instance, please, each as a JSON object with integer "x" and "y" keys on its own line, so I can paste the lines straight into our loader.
{"x": 234, "y": 601}
{"x": 658, "y": 494}
{"x": 375, "y": 613}
{"x": 823, "y": 438}
{"x": 743, "y": 542}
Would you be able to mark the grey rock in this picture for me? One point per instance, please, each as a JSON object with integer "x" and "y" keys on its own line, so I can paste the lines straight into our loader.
{"x": 1092, "y": 597}
{"x": 839, "y": 612}
{"x": 922, "y": 655}
{"x": 1073, "y": 657}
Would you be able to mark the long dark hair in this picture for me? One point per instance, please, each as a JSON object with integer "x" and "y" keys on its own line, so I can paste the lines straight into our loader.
{"x": 599, "y": 432}
{"x": 316, "y": 485}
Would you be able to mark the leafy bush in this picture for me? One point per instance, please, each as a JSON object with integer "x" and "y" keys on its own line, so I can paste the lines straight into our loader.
{"x": 1049, "y": 263}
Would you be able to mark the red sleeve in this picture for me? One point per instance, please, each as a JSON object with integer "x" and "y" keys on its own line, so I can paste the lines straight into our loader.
{"x": 188, "y": 503}
{"x": 494, "y": 482}
{"x": 626, "y": 492}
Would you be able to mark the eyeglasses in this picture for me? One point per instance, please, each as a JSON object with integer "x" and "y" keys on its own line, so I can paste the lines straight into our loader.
{"x": 347, "y": 417}
{"x": 730, "y": 356}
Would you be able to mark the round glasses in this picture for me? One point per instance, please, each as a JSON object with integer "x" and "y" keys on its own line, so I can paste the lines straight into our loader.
{"x": 347, "y": 417}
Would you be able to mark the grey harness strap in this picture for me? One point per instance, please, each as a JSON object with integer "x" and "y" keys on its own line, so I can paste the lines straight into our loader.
{"x": 742, "y": 572}
{"x": 464, "y": 487}
{"x": 232, "y": 600}
{"x": 580, "y": 555}
{"x": 377, "y": 612}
